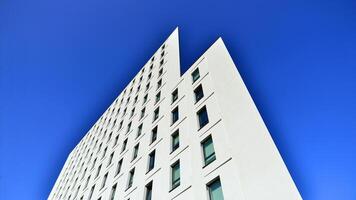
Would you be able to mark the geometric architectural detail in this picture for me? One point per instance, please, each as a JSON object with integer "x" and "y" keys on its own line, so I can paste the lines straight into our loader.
{"x": 170, "y": 136}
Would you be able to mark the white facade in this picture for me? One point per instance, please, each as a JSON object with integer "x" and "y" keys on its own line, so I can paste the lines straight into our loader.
{"x": 244, "y": 159}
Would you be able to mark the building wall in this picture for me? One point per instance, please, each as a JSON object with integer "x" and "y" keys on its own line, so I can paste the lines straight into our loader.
{"x": 247, "y": 161}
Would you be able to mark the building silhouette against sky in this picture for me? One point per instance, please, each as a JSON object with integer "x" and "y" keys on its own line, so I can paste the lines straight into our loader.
{"x": 171, "y": 136}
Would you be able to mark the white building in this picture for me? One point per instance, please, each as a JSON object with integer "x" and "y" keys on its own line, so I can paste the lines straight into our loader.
{"x": 171, "y": 136}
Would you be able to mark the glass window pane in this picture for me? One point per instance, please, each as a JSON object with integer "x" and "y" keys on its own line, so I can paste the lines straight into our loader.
{"x": 215, "y": 191}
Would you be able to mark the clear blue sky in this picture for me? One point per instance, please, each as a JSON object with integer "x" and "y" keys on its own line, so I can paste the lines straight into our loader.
{"x": 63, "y": 62}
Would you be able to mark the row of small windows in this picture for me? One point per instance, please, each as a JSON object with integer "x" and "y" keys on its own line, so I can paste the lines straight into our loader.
{"x": 202, "y": 118}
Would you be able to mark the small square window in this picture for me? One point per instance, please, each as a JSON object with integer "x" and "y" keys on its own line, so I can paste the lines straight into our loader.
{"x": 174, "y": 95}
{"x": 195, "y": 75}
{"x": 119, "y": 166}
{"x": 162, "y": 54}
{"x": 162, "y": 62}
{"x": 147, "y": 86}
{"x": 160, "y": 72}
{"x": 202, "y": 117}
{"x": 129, "y": 127}
{"x": 198, "y": 92}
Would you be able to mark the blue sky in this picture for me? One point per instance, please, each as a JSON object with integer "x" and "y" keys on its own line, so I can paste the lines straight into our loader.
{"x": 63, "y": 62}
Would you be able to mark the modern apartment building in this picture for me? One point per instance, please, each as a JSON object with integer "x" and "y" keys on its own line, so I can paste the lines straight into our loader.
{"x": 170, "y": 136}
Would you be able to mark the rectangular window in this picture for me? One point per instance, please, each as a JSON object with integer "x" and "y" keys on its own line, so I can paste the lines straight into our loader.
{"x": 154, "y": 134}
{"x": 143, "y": 112}
{"x": 129, "y": 127}
{"x": 174, "y": 95}
{"x": 145, "y": 99}
{"x": 156, "y": 114}
{"x": 110, "y": 158}
{"x": 104, "y": 181}
{"x": 208, "y": 150}
{"x": 110, "y": 135}
{"x": 139, "y": 130}
{"x": 124, "y": 145}
{"x": 159, "y": 84}
{"x": 175, "y": 115}
{"x": 118, "y": 168}
{"x": 175, "y": 140}
{"x": 116, "y": 140}
{"x": 98, "y": 171}
{"x": 136, "y": 98}
{"x": 162, "y": 62}
{"x": 158, "y": 97}
{"x": 147, "y": 86}
{"x": 215, "y": 190}
{"x": 150, "y": 74}
{"x": 131, "y": 177}
{"x": 151, "y": 160}
{"x": 86, "y": 183}
{"x": 104, "y": 153}
{"x": 121, "y": 123}
{"x": 148, "y": 195}
{"x": 175, "y": 169}
{"x": 113, "y": 190}
{"x": 198, "y": 93}
{"x": 91, "y": 192}
{"x": 151, "y": 67}
{"x": 93, "y": 163}
{"x": 132, "y": 112}
{"x": 202, "y": 117}
{"x": 195, "y": 75}
{"x": 160, "y": 72}
{"x": 135, "y": 152}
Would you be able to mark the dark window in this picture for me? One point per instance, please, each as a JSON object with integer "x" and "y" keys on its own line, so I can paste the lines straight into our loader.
{"x": 113, "y": 190}
{"x": 158, "y": 97}
{"x": 118, "y": 168}
{"x": 215, "y": 190}
{"x": 202, "y": 117}
{"x": 129, "y": 127}
{"x": 135, "y": 152}
{"x": 160, "y": 72}
{"x": 174, "y": 95}
{"x": 156, "y": 114}
{"x": 154, "y": 134}
{"x": 124, "y": 145}
{"x": 104, "y": 180}
{"x": 159, "y": 84}
{"x": 111, "y": 157}
{"x": 208, "y": 150}
{"x": 151, "y": 160}
{"x": 162, "y": 62}
{"x": 175, "y": 169}
{"x": 175, "y": 115}
{"x": 175, "y": 140}
{"x": 195, "y": 75}
{"x": 148, "y": 195}
{"x": 139, "y": 130}
{"x": 145, "y": 99}
{"x": 131, "y": 177}
{"x": 198, "y": 92}
{"x": 143, "y": 113}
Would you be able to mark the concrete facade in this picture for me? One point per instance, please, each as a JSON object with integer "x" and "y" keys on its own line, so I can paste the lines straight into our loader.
{"x": 246, "y": 161}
